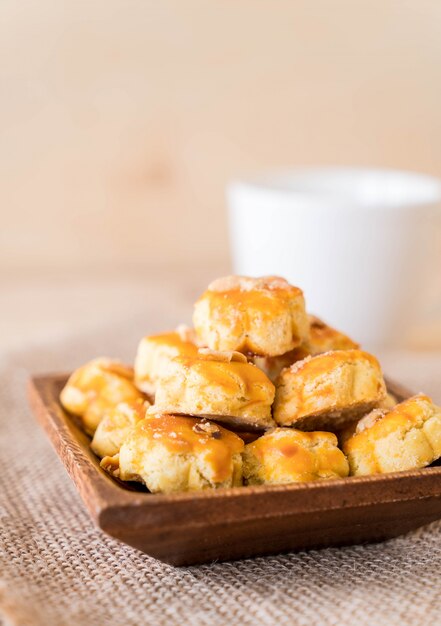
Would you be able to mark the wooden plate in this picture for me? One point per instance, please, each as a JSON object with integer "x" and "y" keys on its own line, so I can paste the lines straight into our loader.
{"x": 189, "y": 528}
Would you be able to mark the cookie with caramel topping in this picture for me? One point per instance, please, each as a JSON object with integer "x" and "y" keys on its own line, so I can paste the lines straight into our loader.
{"x": 116, "y": 425}
{"x": 329, "y": 390}
{"x": 273, "y": 365}
{"x": 322, "y": 338}
{"x": 97, "y": 387}
{"x": 155, "y": 353}
{"x": 219, "y": 385}
{"x": 263, "y": 316}
{"x": 172, "y": 453}
{"x": 286, "y": 455}
{"x": 403, "y": 438}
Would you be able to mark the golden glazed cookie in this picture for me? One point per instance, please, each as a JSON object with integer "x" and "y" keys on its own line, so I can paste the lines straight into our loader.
{"x": 272, "y": 366}
{"x": 406, "y": 437}
{"x": 322, "y": 338}
{"x": 285, "y": 455}
{"x": 388, "y": 402}
{"x": 116, "y": 425}
{"x": 219, "y": 385}
{"x": 155, "y": 353}
{"x": 95, "y": 388}
{"x": 172, "y": 453}
{"x": 264, "y": 316}
{"x": 328, "y": 390}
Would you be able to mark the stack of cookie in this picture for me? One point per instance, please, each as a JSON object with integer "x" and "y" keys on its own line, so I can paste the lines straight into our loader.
{"x": 259, "y": 392}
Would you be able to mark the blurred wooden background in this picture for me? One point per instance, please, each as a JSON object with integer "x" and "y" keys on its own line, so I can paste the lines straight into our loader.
{"x": 122, "y": 120}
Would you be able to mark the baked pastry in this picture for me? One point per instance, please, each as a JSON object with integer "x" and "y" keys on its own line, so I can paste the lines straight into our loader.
{"x": 264, "y": 316}
{"x": 286, "y": 455}
{"x": 322, "y": 338}
{"x": 171, "y": 453}
{"x": 116, "y": 425}
{"x": 219, "y": 385}
{"x": 388, "y": 402}
{"x": 406, "y": 437}
{"x": 95, "y": 388}
{"x": 329, "y": 390}
{"x": 272, "y": 366}
{"x": 155, "y": 353}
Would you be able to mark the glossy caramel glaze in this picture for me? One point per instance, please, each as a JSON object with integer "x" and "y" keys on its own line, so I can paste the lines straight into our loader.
{"x": 406, "y": 437}
{"x": 263, "y": 316}
{"x": 224, "y": 373}
{"x": 342, "y": 384}
{"x": 96, "y": 388}
{"x": 174, "y": 339}
{"x": 324, "y": 338}
{"x": 286, "y": 455}
{"x": 269, "y": 304}
{"x": 187, "y": 435}
{"x": 115, "y": 426}
{"x": 135, "y": 409}
{"x": 217, "y": 385}
{"x": 327, "y": 361}
{"x": 156, "y": 351}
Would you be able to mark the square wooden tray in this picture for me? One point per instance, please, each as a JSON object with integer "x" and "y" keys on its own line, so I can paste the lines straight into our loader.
{"x": 190, "y": 528}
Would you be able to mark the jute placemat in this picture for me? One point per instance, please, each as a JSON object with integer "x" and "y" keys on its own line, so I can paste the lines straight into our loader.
{"x": 57, "y": 569}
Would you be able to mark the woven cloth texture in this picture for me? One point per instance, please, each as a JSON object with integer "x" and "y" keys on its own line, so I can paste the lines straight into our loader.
{"x": 57, "y": 568}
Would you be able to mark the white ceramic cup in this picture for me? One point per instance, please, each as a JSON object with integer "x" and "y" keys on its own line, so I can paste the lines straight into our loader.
{"x": 357, "y": 241}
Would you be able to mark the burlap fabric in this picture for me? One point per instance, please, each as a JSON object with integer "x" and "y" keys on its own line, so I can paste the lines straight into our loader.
{"x": 57, "y": 569}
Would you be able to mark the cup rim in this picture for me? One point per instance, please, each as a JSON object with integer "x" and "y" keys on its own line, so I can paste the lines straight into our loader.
{"x": 344, "y": 186}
